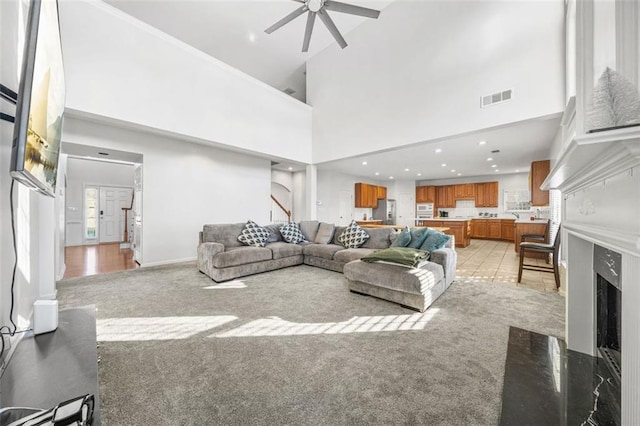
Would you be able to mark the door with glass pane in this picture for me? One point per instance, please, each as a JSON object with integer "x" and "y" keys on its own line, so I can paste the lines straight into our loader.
{"x": 91, "y": 214}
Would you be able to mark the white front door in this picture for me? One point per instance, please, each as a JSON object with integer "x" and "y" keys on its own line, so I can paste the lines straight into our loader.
{"x": 405, "y": 209}
{"x": 112, "y": 200}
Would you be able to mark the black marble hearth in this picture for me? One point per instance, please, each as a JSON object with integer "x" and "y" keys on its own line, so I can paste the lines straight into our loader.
{"x": 547, "y": 384}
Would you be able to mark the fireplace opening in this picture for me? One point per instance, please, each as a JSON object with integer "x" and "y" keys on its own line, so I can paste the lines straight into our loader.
{"x": 609, "y": 328}
{"x": 607, "y": 268}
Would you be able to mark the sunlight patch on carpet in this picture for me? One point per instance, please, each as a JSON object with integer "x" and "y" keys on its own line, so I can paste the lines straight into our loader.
{"x": 229, "y": 284}
{"x": 156, "y": 328}
{"x": 276, "y": 326}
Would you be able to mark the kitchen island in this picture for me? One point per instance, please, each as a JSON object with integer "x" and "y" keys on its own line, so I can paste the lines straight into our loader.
{"x": 460, "y": 228}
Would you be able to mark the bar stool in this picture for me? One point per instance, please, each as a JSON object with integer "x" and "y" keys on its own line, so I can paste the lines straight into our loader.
{"x": 552, "y": 249}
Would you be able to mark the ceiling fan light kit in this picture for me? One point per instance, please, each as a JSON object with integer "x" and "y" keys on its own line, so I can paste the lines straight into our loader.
{"x": 320, "y": 8}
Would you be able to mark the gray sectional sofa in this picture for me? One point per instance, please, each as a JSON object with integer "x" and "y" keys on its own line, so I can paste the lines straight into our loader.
{"x": 222, "y": 257}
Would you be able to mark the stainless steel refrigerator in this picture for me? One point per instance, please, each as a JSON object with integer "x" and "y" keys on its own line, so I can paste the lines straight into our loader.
{"x": 386, "y": 211}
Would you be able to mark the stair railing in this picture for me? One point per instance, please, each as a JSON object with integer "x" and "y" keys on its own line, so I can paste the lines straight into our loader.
{"x": 287, "y": 212}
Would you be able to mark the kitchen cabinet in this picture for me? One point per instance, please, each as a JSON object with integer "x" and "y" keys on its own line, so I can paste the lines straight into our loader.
{"x": 445, "y": 197}
{"x": 537, "y": 227}
{"x": 381, "y": 192}
{"x": 537, "y": 175}
{"x": 366, "y": 196}
{"x": 508, "y": 230}
{"x": 425, "y": 194}
{"x": 465, "y": 191}
{"x": 494, "y": 229}
{"x": 459, "y": 229}
{"x": 486, "y": 194}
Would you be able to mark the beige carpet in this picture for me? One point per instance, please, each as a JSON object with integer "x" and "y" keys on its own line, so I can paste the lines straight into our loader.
{"x": 296, "y": 347}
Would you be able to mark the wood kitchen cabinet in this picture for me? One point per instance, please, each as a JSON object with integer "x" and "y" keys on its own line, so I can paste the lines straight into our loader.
{"x": 445, "y": 197}
{"x": 537, "y": 228}
{"x": 381, "y": 192}
{"x": 478, "y": 228}
{"x": 366, "y": 196}
{"x": 486, "y": 194}
{"x": 508, "y": 230}
{"x": 465, "y": 191}
{"x": 537, "y": 175}
{"x": 425, "y": 194}
{"x": 494, "y": 229}
{"x": 459, "y": 229}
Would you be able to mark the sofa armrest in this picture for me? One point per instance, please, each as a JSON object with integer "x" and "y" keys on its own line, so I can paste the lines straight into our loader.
{"x": 206, "y": 253}
{"x": 448, "y": 259}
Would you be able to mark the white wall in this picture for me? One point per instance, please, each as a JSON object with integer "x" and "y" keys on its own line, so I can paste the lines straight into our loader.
{"x": 186, "y": 185}
{"x": 417, "y": 73}
{"x": 120, "y": 68}
{"x": 81, "y": 172}
{"x": 299, "y": 180}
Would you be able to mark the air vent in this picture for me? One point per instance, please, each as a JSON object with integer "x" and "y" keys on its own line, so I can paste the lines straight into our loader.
{"x": 496, "y": 98}
{"x": 289, "y": 91}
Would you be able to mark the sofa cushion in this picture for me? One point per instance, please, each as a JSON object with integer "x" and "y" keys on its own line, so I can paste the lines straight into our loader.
{"x": 225, "y": 234}
{"x": 379, "y": 238}
{"x": 325, "y": 251}
{"x": 275, "y": 236}
{"x": 309, "y": 229}
{"x": 435, "y": 240}
{"x": 253, "y": 235}
{"x": 401, "y": 278}
{"x": 241, "y": 256}
{"x": 325, "y": 233}
{"x": 403, "y": 238}
{"x": 353, "y": 236}
{"x": 291, "y": 233}
{"x": 282, "y": 249}
{"x": 418, "y": 235}
{"x": 347, "y": 255}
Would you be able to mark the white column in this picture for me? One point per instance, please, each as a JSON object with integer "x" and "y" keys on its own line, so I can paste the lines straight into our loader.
{"x": 311, "y": 193}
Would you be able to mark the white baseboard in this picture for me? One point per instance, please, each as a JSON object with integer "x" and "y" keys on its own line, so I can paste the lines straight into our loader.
{"x": 168, "y": 262}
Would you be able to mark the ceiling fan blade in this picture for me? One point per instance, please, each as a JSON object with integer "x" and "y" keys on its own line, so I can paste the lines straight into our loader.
{"x": 337, "y": 6}
{"x": 311, "y": 19}
{"x": 328, "y": 22}
{"x": 290, "y": 17}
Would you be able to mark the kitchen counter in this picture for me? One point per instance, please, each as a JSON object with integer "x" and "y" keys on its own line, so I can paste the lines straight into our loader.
{"x": 527, "y": 220}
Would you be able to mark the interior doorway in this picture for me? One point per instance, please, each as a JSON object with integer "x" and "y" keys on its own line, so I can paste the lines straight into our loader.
{"x": 115, "y": 202}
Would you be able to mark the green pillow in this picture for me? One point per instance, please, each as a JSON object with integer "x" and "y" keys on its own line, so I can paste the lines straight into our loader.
{"x": 400, "y": 255}
{"x": 403, "y": 239}
{"x": 435, "y": 240}
{"x": 418, "y": 235}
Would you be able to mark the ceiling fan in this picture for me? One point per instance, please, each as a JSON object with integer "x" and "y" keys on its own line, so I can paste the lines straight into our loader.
{"x": 320, "y": 8}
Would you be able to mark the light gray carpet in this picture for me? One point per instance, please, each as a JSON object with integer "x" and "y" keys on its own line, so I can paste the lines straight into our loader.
{"x": 447, "y": 370}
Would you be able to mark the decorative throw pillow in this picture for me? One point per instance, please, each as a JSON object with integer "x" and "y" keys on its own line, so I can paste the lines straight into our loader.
{"x": 325, "y": 233}
{"x": 418, "y": 235}
{"x": 291, "y": 233}
{"x": 353, "y": 236}
{"x": 274, "y": 233}
{"x": 253, "y": 235}
{"x": 435, "y": 240}
{"x": 403, "y": 239}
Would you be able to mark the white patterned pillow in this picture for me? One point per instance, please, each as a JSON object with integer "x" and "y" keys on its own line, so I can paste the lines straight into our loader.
{"x": 353, "y": 236}
{"x": 253, "y": 235}
{"x": 291, "y": 233}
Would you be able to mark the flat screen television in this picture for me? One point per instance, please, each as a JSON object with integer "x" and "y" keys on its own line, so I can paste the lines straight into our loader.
{"x": 40, "y": 104}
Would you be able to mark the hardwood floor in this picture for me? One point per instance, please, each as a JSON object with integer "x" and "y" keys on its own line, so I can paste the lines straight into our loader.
{"x": 496, "y": 261}
{"x": 82, "y": 261}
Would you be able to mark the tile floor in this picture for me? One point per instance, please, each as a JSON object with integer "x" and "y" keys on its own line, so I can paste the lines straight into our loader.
{"x": 497, "y": 261}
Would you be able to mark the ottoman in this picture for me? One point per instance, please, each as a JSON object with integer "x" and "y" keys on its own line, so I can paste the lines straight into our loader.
{"x": 415, "y": 288}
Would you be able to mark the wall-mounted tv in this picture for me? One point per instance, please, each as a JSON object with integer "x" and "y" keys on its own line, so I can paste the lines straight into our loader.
{"x": 38, "y": 124}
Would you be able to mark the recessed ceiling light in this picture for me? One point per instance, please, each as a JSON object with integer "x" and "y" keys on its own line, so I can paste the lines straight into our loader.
{"x": 419, "y": 174}
{"x": 290, "y": 168}
{"x": 438, "y": 150}
{"x": 252, "y": 37}
{"x": 489, "y": 159}
{"x": 494, "y": 165}
{"x": 444, "y": 164}
{"x": 364, "y": 163}
{"x": 459, "y": 174}
{"x": 453, "y": 170}
{"x": 482, "y": 143}
{"x": 406, "y": 170}
{"x": 390, "y": 177}
{"x": 496, "y": 170}
{"x": 517, "y": 170}
{"x": 377, "y": 173}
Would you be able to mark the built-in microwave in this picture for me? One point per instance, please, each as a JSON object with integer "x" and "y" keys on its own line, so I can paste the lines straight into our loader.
{"x": 424, "y": 211}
